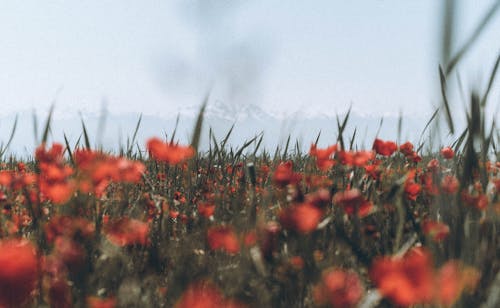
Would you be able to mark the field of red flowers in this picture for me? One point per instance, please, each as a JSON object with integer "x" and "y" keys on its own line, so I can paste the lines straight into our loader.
{"x": 335, "y": 227}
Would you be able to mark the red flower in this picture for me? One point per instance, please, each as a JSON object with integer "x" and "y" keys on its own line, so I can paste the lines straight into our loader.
{"x": 204, "y": 294}
{"x": 385, "y": 148}
{"x": 97, "y": 302}
{"x": 338, "y": 288}
{"x": 412, "y": 190}
{"x": 168, "y": 152}
{"x": 405, "y": 281}
{"x": 303, "y": 218}
{"x": 324, "y": 160}
{"x": 406, "y": 148}
{"x": 438, "y": 231}
{"x": 223, "y": 238}
{"x": 447, "y": 152}
{"x": 450, "y": 184}
{"x": 352, "y": 199}
{"x": 18, "y": 272}
{"x": 284, "y": 175}
{"x": 358, "y": 158}
{"x": 206, "y": 209}
{"x": 126, "y": 231}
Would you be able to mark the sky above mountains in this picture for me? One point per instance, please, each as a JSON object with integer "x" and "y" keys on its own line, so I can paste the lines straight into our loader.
{"x": 153, "y": 57}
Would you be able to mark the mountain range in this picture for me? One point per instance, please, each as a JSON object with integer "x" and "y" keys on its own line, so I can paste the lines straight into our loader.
{"x": 112, "y": 130}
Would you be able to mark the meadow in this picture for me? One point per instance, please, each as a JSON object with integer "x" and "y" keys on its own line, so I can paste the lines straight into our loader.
{"x": 165, "y": 224}
{"x": 170, "y": 226}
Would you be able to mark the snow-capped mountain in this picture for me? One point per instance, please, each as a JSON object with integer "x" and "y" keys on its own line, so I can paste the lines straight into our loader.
{"x": 248, "y": 120}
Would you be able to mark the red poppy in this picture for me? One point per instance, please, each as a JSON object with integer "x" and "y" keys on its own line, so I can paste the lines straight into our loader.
{"x": 169, "y": 152}
{"x": 204, "y": 294}
{"x": 438, "y": 231}
{"x": 452, "y": 279}
{"x": 384, "y": 148}
{"x": 223, "y": 238}
{"x": 97, "y": 302}
{"x": 450, "y": 184}
{"x": 406, "y": 148}
{"x": 18, "y": 272}
{"x": 447, "y": 153}
{"x": 405, "y": 281}
{"x": 324, "y": 159}
{"x": 206, "y": 209}
{"x": 303, "y": 218}
{"x": 349, "y": 200}
{"x": 284, "y": 175}
{"x": 355, "y": 158}
{"x": 339, "y": 288}
{"x": 126, "y": 231}
{"x": 412, "y": 190}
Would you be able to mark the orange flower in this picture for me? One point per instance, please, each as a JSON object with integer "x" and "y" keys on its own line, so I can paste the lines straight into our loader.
{"x": 405, "y": 281}
{"x": 339, "y": 288}
{"x": 324, "y": 160}
{"x": 303, "y": 218}
{"x": 206, "y": 209}
{"x": 204, "y": 294}
{"x": 18, "y": 272}
{"x": 385, "y": 148}
{"x": 223, "y": 238}
{"x": 97, "y": 302}
{"x": 452, "y": 279}
{"x": 284, "y": 175}
{"x": 168, "y": 152}
{"x": 126, "y": 231}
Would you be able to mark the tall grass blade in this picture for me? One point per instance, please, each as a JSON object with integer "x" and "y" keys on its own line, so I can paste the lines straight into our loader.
{"x": 490, "y": 83}
{"x": 12, "y": 132}
{"x": 449, "y": 119}
{"x": 175, "y": 128}
{"x": 458, "y": 143}
{"x": 245, "y": 145}
{"x": 400, "y": 126}
{"x": 226, "y": 138}
{"x": 259, "y": 142}
{"x": 134, "y": 136}
{"x": 379, "y": 126}
{"x": 35, "y": 127}
{"x": 68, "y": 148}
{"x": 317, "y": 138}
{"x": 351, "y": 143}
{"x": 85, "y": 135}
{"x": 101, "y": 124}
{"x": 449, "y": 12}
{"x": 195, "y": 140}
{"x": 474, "y": 36}
{"x": 285, "y": 152}
{"x": 46, "y": 130}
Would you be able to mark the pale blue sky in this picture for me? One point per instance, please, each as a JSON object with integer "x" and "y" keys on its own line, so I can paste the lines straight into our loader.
{"x": 155, "y": 56}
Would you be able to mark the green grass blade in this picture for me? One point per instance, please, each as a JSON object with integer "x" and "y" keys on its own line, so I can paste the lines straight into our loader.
{"x": 175, "y": 128}
{"x": 490, "y": 83}
{"x": 195, "y": 140}
{"x": 474, "y": 36}
{"x": 85, "y": 134}
{"x": 46, "y": 130}
{"x": 68, "y": 148}
{"x": 449, "y": 119}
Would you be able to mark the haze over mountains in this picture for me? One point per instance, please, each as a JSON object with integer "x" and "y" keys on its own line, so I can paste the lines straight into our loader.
{"x": 113, "y": 130}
